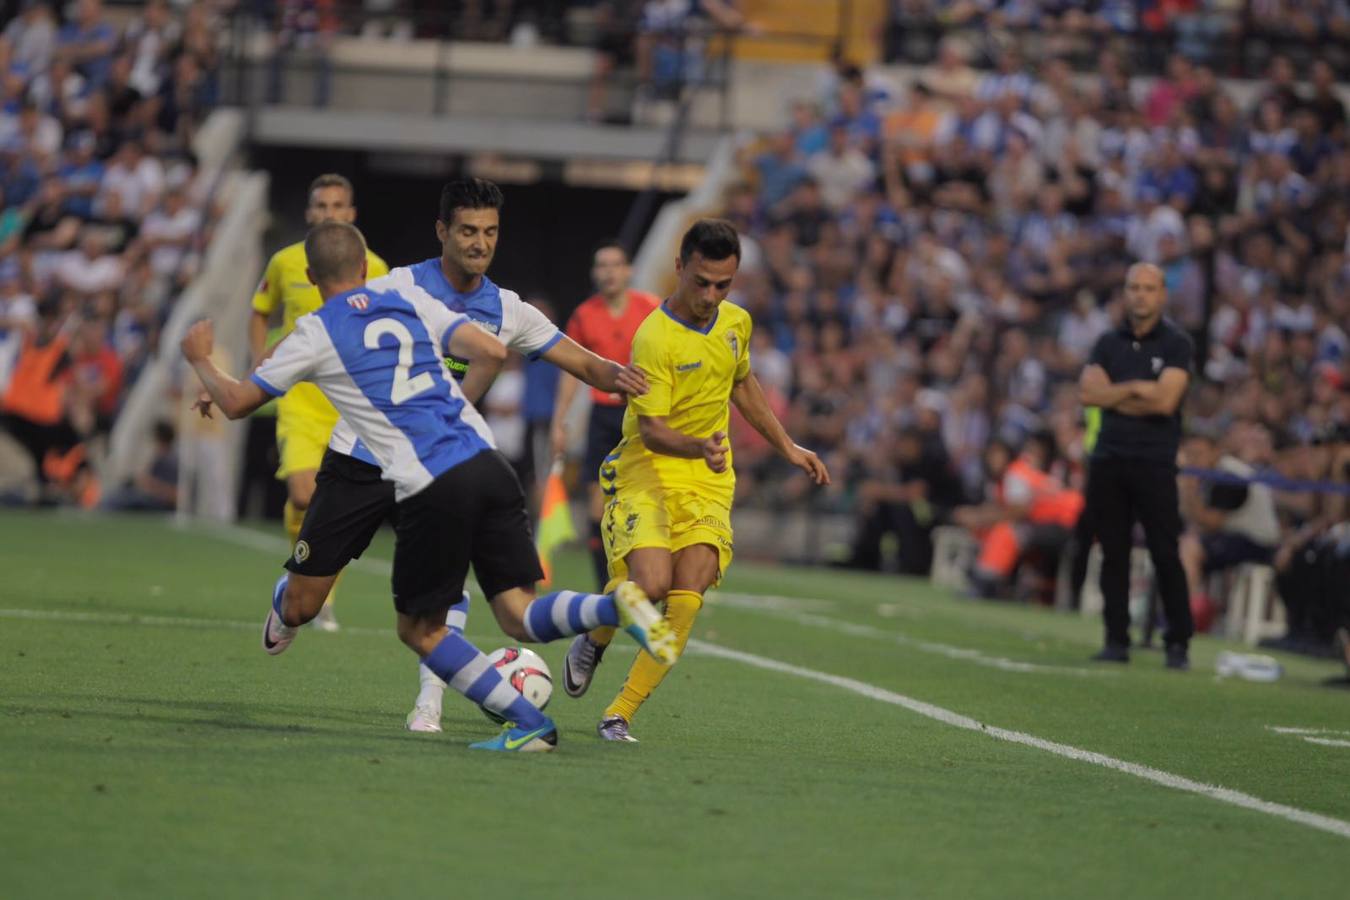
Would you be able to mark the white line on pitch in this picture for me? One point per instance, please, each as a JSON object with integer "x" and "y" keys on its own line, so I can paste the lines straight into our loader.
{"x": 1284, "y": 729}
{"x": 789, "y": 608}
{"x": 1326, "y": 742}
{"x": 872, "y": 692}
{"x": 1157, "y": 776}
{"x": 965, "y": 654}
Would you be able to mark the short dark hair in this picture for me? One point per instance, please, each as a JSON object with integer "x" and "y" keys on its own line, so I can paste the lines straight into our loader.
{"x": 469, "y": 193}
{"x": 331, "y": 179}
{"x": 612, "y": 244}
{"x": 334, "y": 251}
{"x": 712, "y": 239}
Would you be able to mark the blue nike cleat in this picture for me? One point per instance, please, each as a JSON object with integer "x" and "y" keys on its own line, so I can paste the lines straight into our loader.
{"x": 522, "y": 740}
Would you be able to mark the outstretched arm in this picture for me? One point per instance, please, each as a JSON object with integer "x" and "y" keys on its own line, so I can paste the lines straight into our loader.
{"x": 236, "y": 398}
{"x": 750, "y": 400}
{"x": 595, "y": 370}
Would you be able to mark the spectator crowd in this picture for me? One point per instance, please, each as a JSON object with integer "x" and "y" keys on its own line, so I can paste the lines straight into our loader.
{"x": 104, "y": 215}
{"x": 929, "y": 265}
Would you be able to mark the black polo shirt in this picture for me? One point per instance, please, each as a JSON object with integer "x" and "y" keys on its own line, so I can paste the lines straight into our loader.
{"x": 1127, "y": 357}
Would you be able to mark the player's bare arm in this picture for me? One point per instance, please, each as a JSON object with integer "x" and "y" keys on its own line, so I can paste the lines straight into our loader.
{"x": 659, "y": 437}
{"x": 234, "y": 397}
{"x": 480, "y": 349}
{"x": 203, "y": 404}
{"x": 749, "y": 398}
{"x": 482, "y": 371}
{"x": 557, "y": 432}
{"x": 595, "y": 370}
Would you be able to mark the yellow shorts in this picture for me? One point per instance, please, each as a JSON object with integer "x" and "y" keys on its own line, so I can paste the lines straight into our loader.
{"x": 304, "y": 426}
{"x": 672, "y": 520}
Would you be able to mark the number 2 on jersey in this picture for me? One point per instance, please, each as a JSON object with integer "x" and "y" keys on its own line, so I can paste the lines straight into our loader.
{"x": 404, "y": 388}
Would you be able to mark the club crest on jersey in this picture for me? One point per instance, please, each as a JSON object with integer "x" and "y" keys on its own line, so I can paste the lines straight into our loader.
{"x": 301, "y": 551}
{"x": 735, "y": 345}
{"x": 1157, "y": 364}
{"x": 359, "y": 301}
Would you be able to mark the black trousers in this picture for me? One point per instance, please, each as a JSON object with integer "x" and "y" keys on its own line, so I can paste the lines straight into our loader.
{"x": 1120, "y": 493}
{"x": 916, "y": 542}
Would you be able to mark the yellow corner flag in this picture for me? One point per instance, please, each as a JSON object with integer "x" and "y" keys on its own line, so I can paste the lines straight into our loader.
{"x": 555, "y": 520}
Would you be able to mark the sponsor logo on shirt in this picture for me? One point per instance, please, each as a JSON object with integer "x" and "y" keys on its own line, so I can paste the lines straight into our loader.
{"x": 689, "y": 366}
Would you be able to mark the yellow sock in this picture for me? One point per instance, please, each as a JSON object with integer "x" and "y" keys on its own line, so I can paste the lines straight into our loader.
{"x": 646, "y": 674}
{"x": 293, "y": 518}
{"x": 605, "y": 633}
{"x": 332, "y": 591}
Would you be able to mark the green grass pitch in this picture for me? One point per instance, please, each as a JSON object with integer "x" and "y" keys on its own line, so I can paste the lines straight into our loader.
{"x": 149, "y": 748}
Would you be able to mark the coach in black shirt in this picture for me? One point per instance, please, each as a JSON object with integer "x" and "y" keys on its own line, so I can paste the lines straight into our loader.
{"x": 1138, "y": 374}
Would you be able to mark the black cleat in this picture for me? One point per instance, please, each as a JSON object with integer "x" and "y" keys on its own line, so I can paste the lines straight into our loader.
{"x": 1177, "y": 657}
{"x": 1112, "y": 653}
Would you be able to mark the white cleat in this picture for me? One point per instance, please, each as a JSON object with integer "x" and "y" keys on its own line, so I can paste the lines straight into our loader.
{"x": 277, "y": 635}
{"x": 325, "y": 620}
{"x": 645, "y": 624}
{"x": 425, "y": 719}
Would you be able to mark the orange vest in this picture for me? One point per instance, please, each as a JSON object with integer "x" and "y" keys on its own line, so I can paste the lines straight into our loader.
{"x": 36, "y": 392}
{"x": 1051, "y": 503}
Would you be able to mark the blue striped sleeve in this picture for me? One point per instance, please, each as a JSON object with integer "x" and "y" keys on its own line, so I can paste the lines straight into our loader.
{"x": 262, "y": 383}
{"x": 557, "y": 336}
{"x": 445, "y": 338}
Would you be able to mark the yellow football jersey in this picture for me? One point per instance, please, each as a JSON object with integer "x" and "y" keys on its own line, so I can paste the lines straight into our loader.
{"x": 285, "y": 284}
{"x": 691, "y": 372}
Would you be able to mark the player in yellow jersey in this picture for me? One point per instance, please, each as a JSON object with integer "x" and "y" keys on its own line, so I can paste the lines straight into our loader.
{"x": 305, "y": 418}
{"x": 669, "y": 482}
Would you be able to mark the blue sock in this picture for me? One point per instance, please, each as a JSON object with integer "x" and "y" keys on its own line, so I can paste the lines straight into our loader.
{"x": 466, "y": 669}
{"x": 458, "y": 617}
{"x": 278, "y": 592}
{"x": 564, "y": 613}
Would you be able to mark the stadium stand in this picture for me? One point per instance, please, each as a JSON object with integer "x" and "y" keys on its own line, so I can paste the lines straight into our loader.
{"x": 107, "y": 208}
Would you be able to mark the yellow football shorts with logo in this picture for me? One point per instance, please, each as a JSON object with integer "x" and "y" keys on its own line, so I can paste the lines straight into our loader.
{"x": 305, "y": 421}
{"x": 636, "y": 518}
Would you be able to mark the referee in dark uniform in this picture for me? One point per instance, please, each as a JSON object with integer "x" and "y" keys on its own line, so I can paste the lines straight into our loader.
{"x": 1137, "y": 375}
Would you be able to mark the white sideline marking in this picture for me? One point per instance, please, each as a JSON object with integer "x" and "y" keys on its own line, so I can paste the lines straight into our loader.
{"x": 1288, "y": 730}
{"x": 113, "y": 618}
{"x": 790, "y": 608}
{"x": 1157, "y": 776}
{"x": 870, "y": 691}
{"x": 738, "y": 601}
{"x": 1327, "y": 742}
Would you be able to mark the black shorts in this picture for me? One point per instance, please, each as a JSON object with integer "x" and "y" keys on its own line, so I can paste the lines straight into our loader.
{"x": 604, "y": 430}
{"x": 350, "y": 503}
{"x": 472, "y": 514}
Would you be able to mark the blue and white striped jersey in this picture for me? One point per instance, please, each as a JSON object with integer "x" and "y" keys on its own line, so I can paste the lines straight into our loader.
{"x": 376, "y": 355}
{"x": 496, "y": 310}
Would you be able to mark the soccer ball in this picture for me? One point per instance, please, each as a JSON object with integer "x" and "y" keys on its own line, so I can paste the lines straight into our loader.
{"x": 525, "y": 671}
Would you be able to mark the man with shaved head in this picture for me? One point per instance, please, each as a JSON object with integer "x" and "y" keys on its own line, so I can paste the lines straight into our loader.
{"x": 1137, "y": 375}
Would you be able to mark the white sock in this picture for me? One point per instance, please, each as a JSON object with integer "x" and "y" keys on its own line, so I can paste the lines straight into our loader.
{"x": 432, "y": 688}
